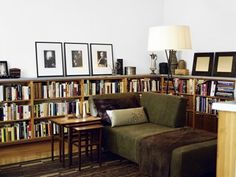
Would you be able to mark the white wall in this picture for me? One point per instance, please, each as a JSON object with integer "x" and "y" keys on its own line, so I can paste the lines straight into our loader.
{"x": 212, "y": 24}
{"x": 124, "y": 23}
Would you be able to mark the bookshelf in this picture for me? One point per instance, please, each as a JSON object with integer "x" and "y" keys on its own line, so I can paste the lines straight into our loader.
{"x": 27, "y": 105}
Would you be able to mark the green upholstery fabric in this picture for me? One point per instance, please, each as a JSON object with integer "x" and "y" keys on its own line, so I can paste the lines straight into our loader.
{"x": 201, "y": 156}
{"x": 167, "y": 110}
{"x": 124, "y": 140}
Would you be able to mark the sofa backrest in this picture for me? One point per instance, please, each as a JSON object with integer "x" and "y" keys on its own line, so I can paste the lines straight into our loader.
{"x": 167, "y": 110}
{"x": 126, "y": 96}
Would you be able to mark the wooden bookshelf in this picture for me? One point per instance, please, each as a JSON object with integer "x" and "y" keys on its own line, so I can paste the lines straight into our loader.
{"x": 71, "y": 93}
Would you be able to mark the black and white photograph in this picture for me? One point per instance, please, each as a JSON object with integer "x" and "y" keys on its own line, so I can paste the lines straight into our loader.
{"x": 49, "y": 59}
{"x": 3, "y": 69}
{"x": 76, "y": 59}
{"x": 102, "y": 58}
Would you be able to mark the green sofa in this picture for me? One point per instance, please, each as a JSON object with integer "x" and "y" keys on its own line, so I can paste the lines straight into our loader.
{"x": 165, "y": 113}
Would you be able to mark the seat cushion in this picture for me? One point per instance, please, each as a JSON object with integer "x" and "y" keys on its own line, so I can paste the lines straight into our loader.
{"x": 124, "y": 140}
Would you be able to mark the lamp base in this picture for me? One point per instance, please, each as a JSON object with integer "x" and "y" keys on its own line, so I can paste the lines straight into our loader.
{"x": 153, "y": 70}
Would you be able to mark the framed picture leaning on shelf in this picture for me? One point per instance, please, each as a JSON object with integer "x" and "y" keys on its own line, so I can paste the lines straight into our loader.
{"x": 102, "y": 59}
{"x": 202, "y": 64}
{"x": 49, "y": 59}
{"x": 225, "y": 63}
{"x": 3, "y": 69}
{"x": 76, "y": 59}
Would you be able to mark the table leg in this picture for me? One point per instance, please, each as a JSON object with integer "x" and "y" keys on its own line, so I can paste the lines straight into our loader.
{"x": 79, "y": 149}
{"x": 62, "y": 145}
{"x": 52, "y": 141}
{"x": 70, "y": 145}
{"x": 100, "y": 146}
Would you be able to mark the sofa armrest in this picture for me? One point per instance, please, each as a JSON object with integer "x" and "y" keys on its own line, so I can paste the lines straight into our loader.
{"x": 196, "y": 160}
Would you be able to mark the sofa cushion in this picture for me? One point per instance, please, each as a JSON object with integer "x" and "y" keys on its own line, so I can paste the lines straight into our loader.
{"x": 128, "y": 116}
{"x": 103, "y": 104}
{"x": 129, "y": 97}
{"x": 167, "y": 110}
{"x": 124, "y": 140}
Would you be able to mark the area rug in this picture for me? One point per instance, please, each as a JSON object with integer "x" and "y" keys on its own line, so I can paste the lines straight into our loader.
{"x": 112, "y": 166}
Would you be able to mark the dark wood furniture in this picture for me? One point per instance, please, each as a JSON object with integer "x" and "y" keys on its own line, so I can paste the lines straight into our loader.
{"x": 69, "y": 123}
{"x": 92, "y": 135}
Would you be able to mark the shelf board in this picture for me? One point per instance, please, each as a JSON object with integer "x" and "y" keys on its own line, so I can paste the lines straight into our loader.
{"x": 58, "y": 98}
{"x": 13, "y": 121}
{"x": 15, "y": 101}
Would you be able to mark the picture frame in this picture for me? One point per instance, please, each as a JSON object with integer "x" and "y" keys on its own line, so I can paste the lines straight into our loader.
{"x": 3, "y": 69}
{"x": 49, "y": 59}
{"x": 225, "y": 64}
{"x": 102, "y": 59}
{"x": 202, "y": 64}
{"x": 76, "y": 59}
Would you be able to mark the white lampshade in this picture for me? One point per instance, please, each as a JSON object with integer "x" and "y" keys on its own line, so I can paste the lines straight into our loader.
{"x": 169, "y": 38}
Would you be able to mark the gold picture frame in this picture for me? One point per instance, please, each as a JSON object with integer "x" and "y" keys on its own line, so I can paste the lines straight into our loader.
{"x": 224, "y": 65}
{"x": 202, "y": 64}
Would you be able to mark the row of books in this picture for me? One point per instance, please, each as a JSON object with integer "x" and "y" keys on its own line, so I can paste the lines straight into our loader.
{"x": 204, "y": 104}
{"x": 216, "y": 88}
{"x": 56, "y": 90}
{"x": 17, "y": 131}
{"x": 143, "y": 85}
{"x": 14, "y": 92}
{"x": 42, "y": 129}
{"x": 61, "y": 108}
{"x": 9, "y": 112}
{"x": 184, "y": 86}
{"x": 96, "y": 87}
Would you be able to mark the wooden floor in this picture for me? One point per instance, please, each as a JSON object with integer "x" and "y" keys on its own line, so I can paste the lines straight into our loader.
{"x": 25, "y": 152}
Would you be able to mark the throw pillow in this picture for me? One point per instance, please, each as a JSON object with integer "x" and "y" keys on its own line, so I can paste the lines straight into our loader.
{"x": 127, "y": 116}
{"x": 110, "y": 104}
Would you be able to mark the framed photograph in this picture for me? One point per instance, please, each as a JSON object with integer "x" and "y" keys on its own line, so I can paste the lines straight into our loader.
{"x": 102, "y": 59}
{"x": 3, "y": 69}
{"x": 202, "y": 64}
{"x": 76, "y": 59}
{"x": 225, "y": 63}
{"x": 49, "y": 59}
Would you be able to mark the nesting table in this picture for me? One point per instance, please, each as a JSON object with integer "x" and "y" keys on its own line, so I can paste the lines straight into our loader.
{"x": 70, "y": 123}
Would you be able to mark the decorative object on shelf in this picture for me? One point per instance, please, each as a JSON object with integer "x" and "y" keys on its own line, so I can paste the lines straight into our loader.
{"x": 202, "y": 64}
{"x": 169, "y": 38}
{"x": 153, "y": 63}
{"x": 49, "y": 59}
{"x": 102, "y": 59}
{"x": 163, "y": 68}
{"x": 152, "y": 49}
{"x": 76, "y": 59}
{"x": 3, "y": 69}
{"x": 14, "y": 72}
{"x": 119, "y": 66}
{"x": 181, "y": 68}
{"x": 173, "y": 61}
{"x": 225, "y": 63}
{"x": 130, "y": 70}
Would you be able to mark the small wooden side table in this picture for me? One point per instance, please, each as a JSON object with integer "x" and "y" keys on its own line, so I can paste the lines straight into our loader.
{"x": 93, "y": 138}
{"x": 68, "y": 122}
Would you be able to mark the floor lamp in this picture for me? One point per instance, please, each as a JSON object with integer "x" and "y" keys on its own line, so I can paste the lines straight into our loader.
{"x": 169, "y": 38}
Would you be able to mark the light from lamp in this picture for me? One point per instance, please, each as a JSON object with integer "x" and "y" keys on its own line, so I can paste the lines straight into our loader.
{"x": 169, "y": 38}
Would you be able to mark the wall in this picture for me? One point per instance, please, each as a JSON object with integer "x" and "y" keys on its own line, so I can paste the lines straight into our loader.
{"x": 211, "y": 22}
{"x": 124, "y": 23}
